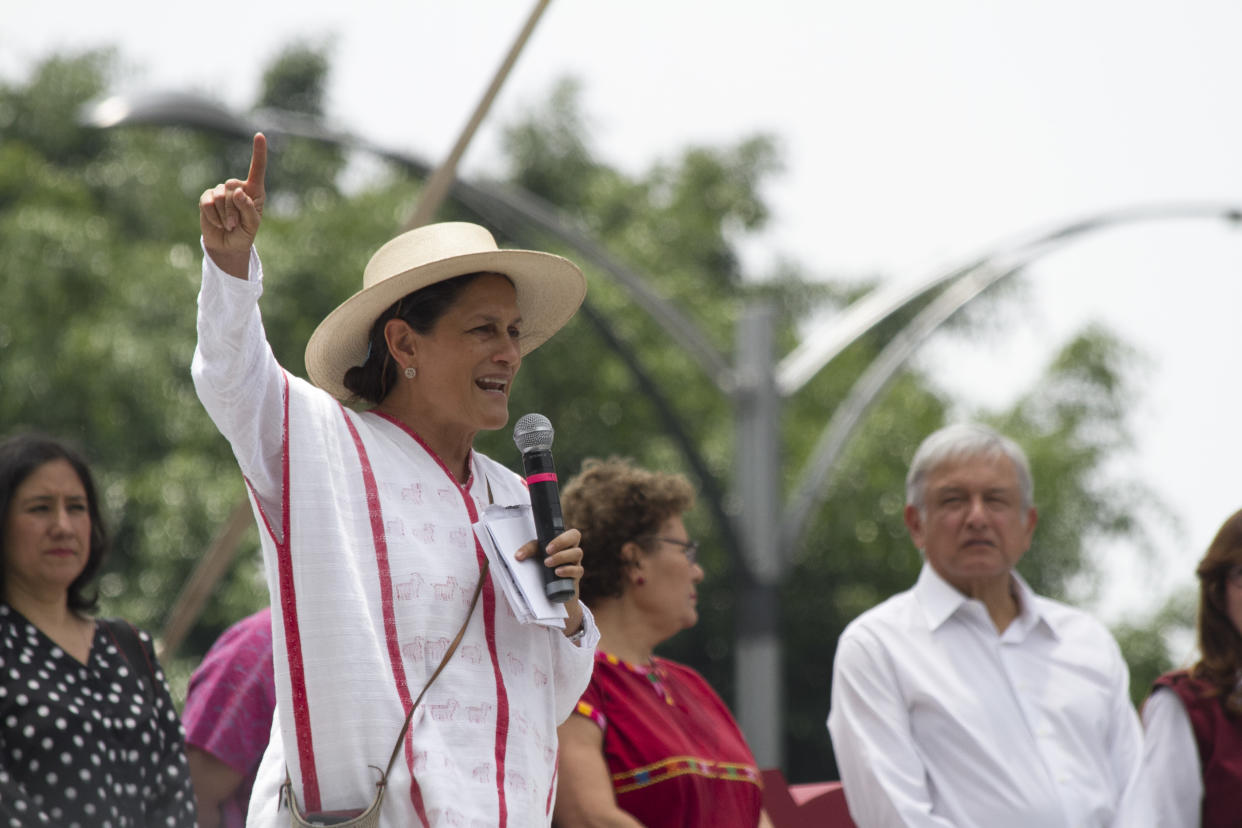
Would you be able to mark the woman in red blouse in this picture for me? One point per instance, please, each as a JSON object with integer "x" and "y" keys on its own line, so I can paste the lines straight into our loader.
{"x": 651, "y": 743}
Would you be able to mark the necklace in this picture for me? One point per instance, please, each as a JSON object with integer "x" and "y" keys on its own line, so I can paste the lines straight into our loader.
{"x": 651, "y": 672}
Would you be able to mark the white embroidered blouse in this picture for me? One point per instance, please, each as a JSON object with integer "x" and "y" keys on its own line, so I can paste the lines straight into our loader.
{"x": 371, "y": 562}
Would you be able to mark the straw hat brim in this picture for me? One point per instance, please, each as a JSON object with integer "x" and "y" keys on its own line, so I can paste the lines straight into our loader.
{"x": 549, "y": 289}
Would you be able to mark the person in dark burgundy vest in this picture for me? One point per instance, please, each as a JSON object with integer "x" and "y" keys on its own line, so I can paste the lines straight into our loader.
{"x": 1193, "y": 718}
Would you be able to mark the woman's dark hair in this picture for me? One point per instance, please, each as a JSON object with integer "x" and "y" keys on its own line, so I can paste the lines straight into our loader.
{"x": 1220, "y": 643}
{"x": 421, "y": 310}
{"x": 612, "y": 502}
{"x": 20, "y": 456}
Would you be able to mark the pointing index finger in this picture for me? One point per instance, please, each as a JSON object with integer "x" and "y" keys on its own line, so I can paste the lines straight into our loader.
{"x": 258, "y": 165}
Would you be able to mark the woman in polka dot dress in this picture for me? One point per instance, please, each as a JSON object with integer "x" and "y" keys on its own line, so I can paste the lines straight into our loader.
{"x": 88, "y": 737}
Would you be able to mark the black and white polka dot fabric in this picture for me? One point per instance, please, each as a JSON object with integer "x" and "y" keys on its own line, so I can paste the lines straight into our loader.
{"x": 86, "y": 745}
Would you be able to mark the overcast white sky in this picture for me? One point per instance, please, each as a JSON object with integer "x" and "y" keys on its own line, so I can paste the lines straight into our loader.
{"x": 915, "y": 134}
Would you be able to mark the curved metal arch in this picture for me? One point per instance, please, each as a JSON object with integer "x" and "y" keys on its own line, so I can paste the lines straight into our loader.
{"x": 972, "y": 279}
{"x": 805, "y": 361}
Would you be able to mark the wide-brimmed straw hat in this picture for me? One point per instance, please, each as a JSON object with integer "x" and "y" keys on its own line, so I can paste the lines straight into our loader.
{"x": 549, "y": 291}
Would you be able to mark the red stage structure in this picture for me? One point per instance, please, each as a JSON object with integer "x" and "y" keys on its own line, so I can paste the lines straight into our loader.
{"x": 813, "y": 805}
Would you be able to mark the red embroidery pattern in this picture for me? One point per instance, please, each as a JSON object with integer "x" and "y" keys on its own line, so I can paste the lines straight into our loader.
{"x": 679, "y": 765}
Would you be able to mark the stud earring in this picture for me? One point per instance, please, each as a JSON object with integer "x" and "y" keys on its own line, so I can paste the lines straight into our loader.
{"x": 640, "y": 580}
{"x": 410, "y": 372}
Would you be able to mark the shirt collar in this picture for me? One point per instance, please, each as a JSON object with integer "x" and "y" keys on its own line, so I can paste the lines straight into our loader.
{"x": 940, "y": 600}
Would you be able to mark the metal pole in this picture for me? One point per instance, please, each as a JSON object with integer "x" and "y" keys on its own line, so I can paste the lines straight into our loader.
{"x": 202, "y": 581}
{"x": 441, "y": 180}
{"x": 759, "y": 662}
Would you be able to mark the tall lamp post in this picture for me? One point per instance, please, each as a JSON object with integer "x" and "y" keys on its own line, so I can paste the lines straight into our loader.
{"x": 763, "y": 541}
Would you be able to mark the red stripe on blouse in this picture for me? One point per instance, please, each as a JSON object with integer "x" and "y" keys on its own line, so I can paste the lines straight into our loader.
{"x": 293, "y": 636}
{"x": 386, "y": 603}
{"x": 489, "y": 625}
{"x": 547, "y": 808}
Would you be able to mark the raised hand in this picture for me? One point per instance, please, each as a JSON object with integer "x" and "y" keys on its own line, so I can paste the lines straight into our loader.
{"x": 229, "y": 214}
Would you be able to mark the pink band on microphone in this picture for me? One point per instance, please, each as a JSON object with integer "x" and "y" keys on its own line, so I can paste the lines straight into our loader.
{"x": 546, "y": 477}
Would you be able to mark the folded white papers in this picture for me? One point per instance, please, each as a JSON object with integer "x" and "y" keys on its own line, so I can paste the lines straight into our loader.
{"x": 509, "y": 528}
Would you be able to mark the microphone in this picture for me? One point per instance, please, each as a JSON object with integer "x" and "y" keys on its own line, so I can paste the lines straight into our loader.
{"x": 533, "y": 436}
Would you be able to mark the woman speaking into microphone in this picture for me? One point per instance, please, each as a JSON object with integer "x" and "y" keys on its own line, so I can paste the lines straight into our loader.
{"x": 366, "y": 522}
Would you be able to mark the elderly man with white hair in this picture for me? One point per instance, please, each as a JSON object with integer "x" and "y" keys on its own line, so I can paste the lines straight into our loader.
{"x": 968, "y": 700}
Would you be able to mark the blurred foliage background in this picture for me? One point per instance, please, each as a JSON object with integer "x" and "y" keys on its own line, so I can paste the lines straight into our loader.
{"x": 99, "y": 267}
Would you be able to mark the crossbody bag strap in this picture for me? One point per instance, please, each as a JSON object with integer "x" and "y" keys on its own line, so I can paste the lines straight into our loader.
{"x": 474, "y": 600}
{"x": 405, "y": 726}
{"x": 396, "y": 749}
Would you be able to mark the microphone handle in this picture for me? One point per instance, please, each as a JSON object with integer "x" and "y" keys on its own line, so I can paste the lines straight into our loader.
{"x": 545, "y": 503}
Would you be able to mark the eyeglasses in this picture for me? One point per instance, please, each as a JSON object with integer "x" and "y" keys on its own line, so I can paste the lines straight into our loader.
{"x": 690, "y": 548}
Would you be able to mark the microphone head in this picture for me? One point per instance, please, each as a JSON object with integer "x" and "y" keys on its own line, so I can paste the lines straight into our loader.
{"x": 533, "y": 433}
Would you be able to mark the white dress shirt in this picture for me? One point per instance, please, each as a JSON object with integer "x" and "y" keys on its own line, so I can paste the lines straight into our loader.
{"x": 939, "y": 720}
{"x": 1171, "y": 764}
